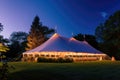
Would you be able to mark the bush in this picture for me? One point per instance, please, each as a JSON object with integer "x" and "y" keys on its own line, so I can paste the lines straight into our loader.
{"x": 4, "y": 71}
{"x": 54, "y": 60}
{"x": 69, "y": 60}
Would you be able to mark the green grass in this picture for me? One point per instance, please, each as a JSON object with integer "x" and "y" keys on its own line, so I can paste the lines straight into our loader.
{"x": 103, "y": 70}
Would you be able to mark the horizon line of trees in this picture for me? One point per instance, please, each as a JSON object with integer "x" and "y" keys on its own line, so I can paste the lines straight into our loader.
{"x": 106, "y": 38}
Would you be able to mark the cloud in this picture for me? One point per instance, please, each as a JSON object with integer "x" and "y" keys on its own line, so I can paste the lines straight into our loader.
{"x": 104, "y": 14}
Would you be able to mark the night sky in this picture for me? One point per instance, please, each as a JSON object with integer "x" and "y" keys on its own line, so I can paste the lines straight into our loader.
{"x": 67, "y": 16}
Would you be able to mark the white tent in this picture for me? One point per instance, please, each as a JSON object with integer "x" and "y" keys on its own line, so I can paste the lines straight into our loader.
{"x": 58, "y": 46}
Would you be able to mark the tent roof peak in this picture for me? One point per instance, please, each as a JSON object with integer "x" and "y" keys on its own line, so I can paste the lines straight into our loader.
{"x": 55, "y": 35}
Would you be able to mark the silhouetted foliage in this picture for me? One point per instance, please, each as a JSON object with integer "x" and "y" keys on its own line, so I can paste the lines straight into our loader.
{"x": 18, "y": 36}
{"x": 3, "y": 46}
{"x": 17, "y": 44}
{"x": 55, "y": 60}
{"x": 1, "y": 27}
{"x": 4, "y": 71}
{"x": 108, "y": 35}
{"x": 38, "y": 34}
{"x": 89, "y": 38}
{"x": 15, "y": 50}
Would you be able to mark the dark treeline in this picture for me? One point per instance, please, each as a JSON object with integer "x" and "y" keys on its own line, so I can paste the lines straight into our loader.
{"x": 108, "y": 35}
{"x": 91, "y": 39}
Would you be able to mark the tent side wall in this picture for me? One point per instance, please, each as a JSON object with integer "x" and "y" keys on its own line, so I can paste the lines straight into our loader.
{"x": 33, "y": 56}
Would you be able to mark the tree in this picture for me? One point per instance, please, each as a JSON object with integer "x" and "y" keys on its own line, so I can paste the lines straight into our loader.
{"x": 2, "y": 40}
{"x": 89, "y": 38}
{"x": 15, "y": 50}
{"x": 3, "y": 47}
{"x": 38, "y": 34}
{"x": 109, "y": 33}
{"x": 1, "y": 27}
{"x": 17, "y": 44}
{"x": 18, "y": 37}
{"x": 4, "y": 71}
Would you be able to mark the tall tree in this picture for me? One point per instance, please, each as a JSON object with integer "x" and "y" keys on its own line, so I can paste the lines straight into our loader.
{"x": 3, "y": 47}
{"x": 38, "y": 34}
{"x": 89, "y": 38}
{"x": 109, "y": 33}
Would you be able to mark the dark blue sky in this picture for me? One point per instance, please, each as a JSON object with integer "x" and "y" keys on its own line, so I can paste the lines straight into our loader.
{"x": 70, "y": 16}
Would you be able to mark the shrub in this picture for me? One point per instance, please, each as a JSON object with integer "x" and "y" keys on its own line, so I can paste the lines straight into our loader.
{"x": 4, "y": 71}
{"x": 55, "y": 60}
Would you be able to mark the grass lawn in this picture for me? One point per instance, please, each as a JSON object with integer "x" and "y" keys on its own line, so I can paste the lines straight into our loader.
{"x": 103, "y": 70}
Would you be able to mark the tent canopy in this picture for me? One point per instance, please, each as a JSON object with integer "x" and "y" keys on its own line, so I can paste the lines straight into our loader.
{"x": 61, "y": 44}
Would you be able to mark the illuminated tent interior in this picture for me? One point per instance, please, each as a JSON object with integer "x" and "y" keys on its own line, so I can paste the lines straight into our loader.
{"x": 60, "y": 47}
